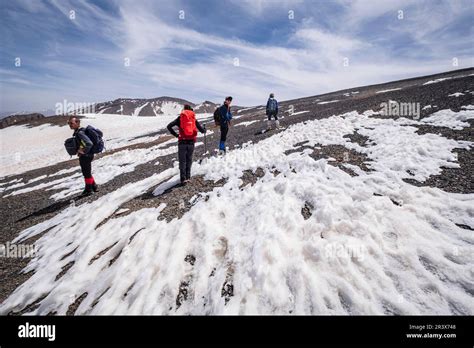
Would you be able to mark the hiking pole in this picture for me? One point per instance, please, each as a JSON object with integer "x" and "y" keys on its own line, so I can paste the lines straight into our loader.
{"x": 205, "y": 141}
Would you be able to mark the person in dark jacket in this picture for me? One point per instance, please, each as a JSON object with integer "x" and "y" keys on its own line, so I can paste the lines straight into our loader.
{"x": 188, "y": 126}
{"x": 272, "y": 111}
{"x": 225, "y": 118}
{"x": 84, "y": 151}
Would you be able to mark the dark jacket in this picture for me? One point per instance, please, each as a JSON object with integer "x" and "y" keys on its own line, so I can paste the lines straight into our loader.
{"x": 225, "y": 113}
{"x": 176, "y": 123}
{"x": 83, "y": 141}
{"x": 268, "y": 106}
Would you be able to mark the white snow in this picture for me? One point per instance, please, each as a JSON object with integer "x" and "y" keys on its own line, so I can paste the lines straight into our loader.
{"x": 298, "y": 113}
{"x": 24, "y": 148}
{"x": 121, "y": 211}
{"x": 388, "y": 90}
{"x": 357, "y": 254}
{"x": 136, "y": 112}
{"x": 247, "y": 123}
{"x": 450, "y": 119}
{"x": 426, "y": 107}
{"x": 437, "y": 80}
{"x": 104, "y": 170}
{"x": 245, "y": 109}
{"x": 328, "y": 102}
{"x": 171, "y": 108}
{"x": 458, "y": 94}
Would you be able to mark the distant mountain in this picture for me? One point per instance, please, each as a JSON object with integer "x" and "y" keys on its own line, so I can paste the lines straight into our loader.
{"x": 151, "y": 107}
{"x": 45, "y": 112}
{"x": 19, "y": 118}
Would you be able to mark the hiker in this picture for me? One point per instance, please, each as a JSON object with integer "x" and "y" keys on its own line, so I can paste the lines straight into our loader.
{"x": 84, "y": 146}
{"x": 272, "y": 111}
{"x": 222, "y": 118}
{"x": 187, "y": 123}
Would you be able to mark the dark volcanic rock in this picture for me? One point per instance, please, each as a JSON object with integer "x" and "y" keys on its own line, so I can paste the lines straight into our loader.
{"x": 19, "y": 119}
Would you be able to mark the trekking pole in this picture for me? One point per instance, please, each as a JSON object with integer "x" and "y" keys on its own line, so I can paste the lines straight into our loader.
{"x": 205, "y": 142}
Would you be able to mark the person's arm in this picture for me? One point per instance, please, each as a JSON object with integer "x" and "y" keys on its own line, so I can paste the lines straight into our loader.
{"x": 173, "y": 124}
{"x": 85, "y": 143}
{"x": 266, "y": 109}
{"x": 277, "y": 108}
{"x": 200, "y": 127}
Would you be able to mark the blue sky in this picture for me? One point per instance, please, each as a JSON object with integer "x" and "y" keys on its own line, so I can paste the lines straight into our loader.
{"x": 82, "y": 59}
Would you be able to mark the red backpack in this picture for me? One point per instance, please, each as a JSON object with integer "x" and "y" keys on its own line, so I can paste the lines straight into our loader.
{"x": 187, "y": 126}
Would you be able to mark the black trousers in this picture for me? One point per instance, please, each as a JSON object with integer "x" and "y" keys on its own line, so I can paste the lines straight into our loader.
{"x": 224, "y": 131}
{"x": 85, "y": 162}
{"x": 272, "y": 114}
{"x": 185, "y": 156}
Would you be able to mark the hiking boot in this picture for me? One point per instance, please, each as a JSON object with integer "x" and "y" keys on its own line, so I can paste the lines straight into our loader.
{"x": 87, "y": 190}
{"x": 95, "y": 188}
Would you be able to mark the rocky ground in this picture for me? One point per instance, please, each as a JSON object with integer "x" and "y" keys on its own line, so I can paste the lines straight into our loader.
{"x": 24, "y": 210}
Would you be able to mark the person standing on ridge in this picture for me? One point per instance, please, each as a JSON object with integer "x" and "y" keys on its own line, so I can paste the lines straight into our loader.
{"x": 85, "y": 153}
{"x": 223, "y": 117}
{"x": 188, "y": 126}
{"x": 272, "y": 111}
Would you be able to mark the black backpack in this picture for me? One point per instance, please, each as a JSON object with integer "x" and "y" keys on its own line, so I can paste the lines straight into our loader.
{"x": 71, "y": 146}
{"x": 95, "y": 135}
{"x": 217, "y": 116}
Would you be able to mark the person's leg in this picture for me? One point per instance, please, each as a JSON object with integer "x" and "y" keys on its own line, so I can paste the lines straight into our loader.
{"x": 86, "y": 168}
{"x": 277, "y": 123}
{"x": 189, "y": 160}
{"x": 269, "y": 121}
{"x": 182, "y": 161}
{"x": 83, "y": 165}
{"x": 224, "y": 130}
{"x": 95, "y": 188}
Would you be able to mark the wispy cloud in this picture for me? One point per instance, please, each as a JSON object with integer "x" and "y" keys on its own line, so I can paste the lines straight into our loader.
{"x": 242, "y": 48}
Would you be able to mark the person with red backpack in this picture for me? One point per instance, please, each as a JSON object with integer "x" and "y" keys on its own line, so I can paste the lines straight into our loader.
{"x": 188, "y": 126}
{"x": 85, "y": 148}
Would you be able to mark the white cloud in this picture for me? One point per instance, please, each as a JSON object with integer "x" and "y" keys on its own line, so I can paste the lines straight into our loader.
{"x": 309, "y": 62}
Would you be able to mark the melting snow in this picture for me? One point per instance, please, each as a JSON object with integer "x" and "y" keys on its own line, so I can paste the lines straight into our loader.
{"x": 247, "y": 123}
{"x": 450, "y": 119}
{"x": 388, "y": 90}
{"x": 328, "y": 102}
{"x": 358, "y": 252}
{"x": 437, "y": 80}
{"x": 26, "y": 148}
